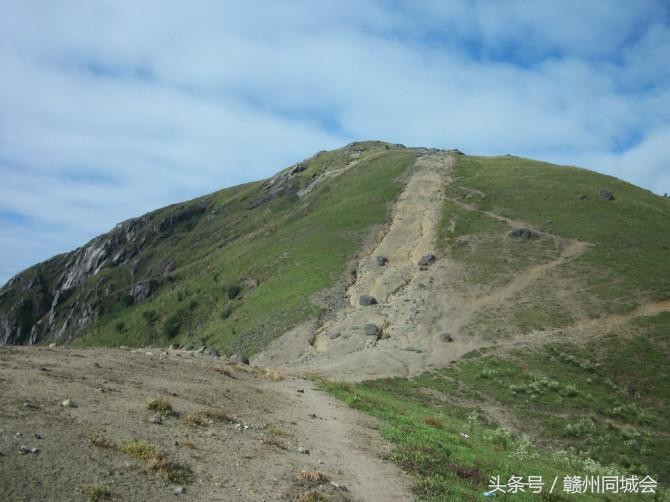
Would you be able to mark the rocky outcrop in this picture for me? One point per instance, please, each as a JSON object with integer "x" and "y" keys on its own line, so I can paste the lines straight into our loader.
{"x": 61, "y": 296}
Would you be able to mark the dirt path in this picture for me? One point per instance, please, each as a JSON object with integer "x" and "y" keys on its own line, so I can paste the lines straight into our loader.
{"x": 419, "y": 312}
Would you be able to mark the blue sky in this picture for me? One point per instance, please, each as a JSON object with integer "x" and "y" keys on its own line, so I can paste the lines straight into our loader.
{"x": 109, "y": 109}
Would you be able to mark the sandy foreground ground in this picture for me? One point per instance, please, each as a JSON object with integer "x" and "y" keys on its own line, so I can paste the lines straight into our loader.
{"x": 250, "y": 446}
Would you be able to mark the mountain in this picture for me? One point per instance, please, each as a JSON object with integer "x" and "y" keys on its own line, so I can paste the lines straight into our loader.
{"x": 499, "y": 316}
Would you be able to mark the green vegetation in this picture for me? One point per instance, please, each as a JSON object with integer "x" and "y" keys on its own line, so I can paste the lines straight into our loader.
{"x": 605, "y": 402}
{"x": 247, "y": 270}
{"x": 627, "y": 263}
{"x": 160, "y": 405}
{"x": 95, "y": 493}
{"x": 158, "y": 462}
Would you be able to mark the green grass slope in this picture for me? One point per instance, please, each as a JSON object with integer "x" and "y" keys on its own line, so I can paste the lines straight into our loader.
{"x": 557, "y": 393}
{"x": 247, "y": 275}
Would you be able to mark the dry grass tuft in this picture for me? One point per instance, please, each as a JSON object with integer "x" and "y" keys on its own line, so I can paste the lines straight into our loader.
{"x": 157, "y": 462}
{"x": 313, "y": 496}
{"x": 275, "y": 441}
{"x": 273, "y": 375}
{"x": 101, "y": 442}
{"x": 225, "y": 371}
{"x": 206, "y": 417}
{"x": 197, "y": 420}
{"x": 161, "y": 406}
{"x": 434, "y": 421}
{"x": 314, "y": 476}
{"x": 94, "y": 493}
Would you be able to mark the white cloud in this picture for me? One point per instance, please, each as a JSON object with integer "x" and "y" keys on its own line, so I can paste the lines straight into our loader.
{"x": 110, "y": 108}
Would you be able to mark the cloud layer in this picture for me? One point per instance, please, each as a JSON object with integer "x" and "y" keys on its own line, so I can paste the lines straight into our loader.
{"x": 112, "y": 108}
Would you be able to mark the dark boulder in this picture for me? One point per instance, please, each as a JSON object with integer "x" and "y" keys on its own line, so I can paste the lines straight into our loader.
{"x": 426, "y": 260}
{"x": 367, "y": 300}
{"x": 240, "y": 359}
{"x": 382, "y": 260}
{"x": 524, "y": 234}
{"x": 371, "y": 329}
{"x": 446, "y": 337}
{"x": 606, "y": 195}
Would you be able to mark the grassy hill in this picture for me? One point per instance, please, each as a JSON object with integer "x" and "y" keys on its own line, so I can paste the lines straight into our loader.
{"x": 572, "y": 323}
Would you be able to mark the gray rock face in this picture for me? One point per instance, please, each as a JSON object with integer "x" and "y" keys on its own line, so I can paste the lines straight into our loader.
{"x": 524, "y": 234}
{"x": 366, "y": 300}
{"x": 426, "y": 260}
{"x": 31, "y": 303}
{"x": 141, "y": 291}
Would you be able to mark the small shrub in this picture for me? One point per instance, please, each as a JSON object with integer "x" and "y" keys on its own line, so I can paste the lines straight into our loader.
{"x": 487, "y": 373}
{"x": 157, "y": 462}
{"x": 500, "y": 436}
{"x": 172, "y": 325}
{"x": 95, "y": 493}
{"x": 570, "y": 390}
{"x": 313, "y": 496}
{"x": 234, "y": 291}
{"x": 582, "y": 427}
{"x": 120, "y": 326}
{"x": 150, "y": 316}
{"x": 434, "y": 421}
{"x": 160, "y": 405}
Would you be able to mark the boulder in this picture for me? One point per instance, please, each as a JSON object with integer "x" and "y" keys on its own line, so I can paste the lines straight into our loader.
{"x": 311, "y": 338}
{"x": 335, "y": 335}
{"x": 382, "y": 260}
{"x": 212, "y": 352}
{"x": 367, "y": 300}
{"x": 426, "y": 260}
{"x": 606, "y": 195}
{"x": 446, "y": 337}
{"x": 239, "y": 358}
{"x": 371, "y": 329}
{"x": 524, "y": 234}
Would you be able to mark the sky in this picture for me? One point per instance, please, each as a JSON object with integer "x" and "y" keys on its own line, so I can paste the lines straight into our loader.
{"x": 112, "y": 108}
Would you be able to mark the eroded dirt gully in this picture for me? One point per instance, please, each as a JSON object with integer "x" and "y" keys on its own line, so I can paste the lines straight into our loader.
{"x": 228, "y": 460}
{"x": 420, "y": 311}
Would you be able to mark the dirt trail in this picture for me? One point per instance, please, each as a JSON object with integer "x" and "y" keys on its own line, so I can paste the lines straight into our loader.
{"x": 417, "y": 309}
{"x": 228, "y": 461}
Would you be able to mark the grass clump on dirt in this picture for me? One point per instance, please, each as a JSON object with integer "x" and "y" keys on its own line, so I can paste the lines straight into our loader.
{"x": 272, "y": 440}
{"x": 161, "y": 406}
{"x": 157, "y": 462}
{"x": 100, "y": 441}
{"x": 206, "y": 417}
{"x": 95, "y": 493}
